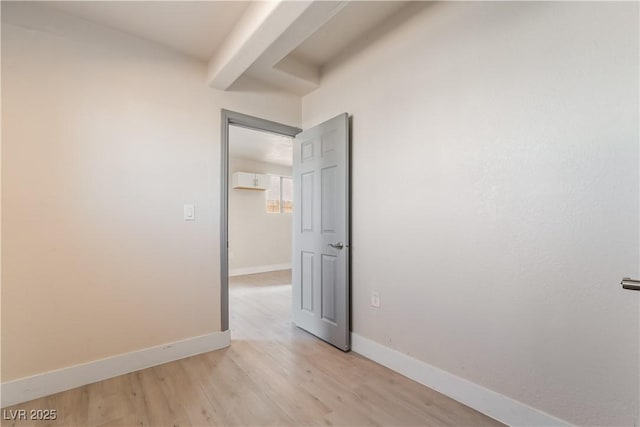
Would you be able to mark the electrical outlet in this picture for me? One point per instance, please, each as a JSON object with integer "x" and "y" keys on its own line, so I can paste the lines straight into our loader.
{"x": 375, "y": 299}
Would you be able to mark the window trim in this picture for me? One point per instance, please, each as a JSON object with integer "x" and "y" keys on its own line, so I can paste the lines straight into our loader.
{"x": 281, "y": 201}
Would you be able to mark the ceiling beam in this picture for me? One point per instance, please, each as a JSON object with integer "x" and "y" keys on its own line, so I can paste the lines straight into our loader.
{"x": 262, "y": 40}
{"x": 259, "y": 27}
{"x": 277, "y": 67}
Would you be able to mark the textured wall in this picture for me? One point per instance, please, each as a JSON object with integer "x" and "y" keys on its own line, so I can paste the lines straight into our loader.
{"x": 104, "y": 138}
{"x": 495, "y": 196}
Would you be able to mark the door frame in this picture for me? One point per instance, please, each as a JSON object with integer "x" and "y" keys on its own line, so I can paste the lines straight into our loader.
{"x": 249, "y": 122}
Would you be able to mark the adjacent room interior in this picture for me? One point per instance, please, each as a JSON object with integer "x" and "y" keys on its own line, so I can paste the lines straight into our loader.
{"x": 260, "y": 204}
{"x": 449, "y": 234}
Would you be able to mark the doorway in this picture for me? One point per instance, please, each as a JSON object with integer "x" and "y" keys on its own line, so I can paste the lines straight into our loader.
{"x": 271, "y": 186}
{"x": 320, "y": 237}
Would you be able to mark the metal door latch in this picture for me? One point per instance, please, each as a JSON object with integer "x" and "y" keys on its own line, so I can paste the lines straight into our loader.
{"x": 631, "y": 284}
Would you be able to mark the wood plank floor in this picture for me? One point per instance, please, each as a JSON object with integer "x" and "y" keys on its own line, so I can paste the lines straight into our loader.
{"x": 272, "y": 375}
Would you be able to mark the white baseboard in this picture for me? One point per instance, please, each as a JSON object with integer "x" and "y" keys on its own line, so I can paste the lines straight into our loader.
{"x": 33, "y": 387}
{"x": 259, "y": 269}
{"x": 495, "y": 405}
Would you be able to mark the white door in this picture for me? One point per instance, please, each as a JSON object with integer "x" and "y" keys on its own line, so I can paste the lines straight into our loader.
{"x": 320, "y": 273}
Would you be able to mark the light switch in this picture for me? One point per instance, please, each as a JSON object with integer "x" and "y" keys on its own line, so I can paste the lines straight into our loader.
{"x": 375, "y": 299}
{"x": 189, "y": 213}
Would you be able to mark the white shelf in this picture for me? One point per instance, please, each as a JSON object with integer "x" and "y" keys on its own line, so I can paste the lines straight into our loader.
{"x": 249, "y": 181}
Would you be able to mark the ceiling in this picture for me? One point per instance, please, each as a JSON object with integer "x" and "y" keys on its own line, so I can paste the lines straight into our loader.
{"x": 285, "y": 44}
{"x": 260, "y": 146}
{"x": 196, "y": 28}
{"x": 357, "y": 19}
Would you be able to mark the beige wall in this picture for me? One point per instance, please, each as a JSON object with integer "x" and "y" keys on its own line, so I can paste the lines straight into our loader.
{"x": 104, "y": 138}
{"x": 256, "y": 238}
{"x": 495, "y": 196}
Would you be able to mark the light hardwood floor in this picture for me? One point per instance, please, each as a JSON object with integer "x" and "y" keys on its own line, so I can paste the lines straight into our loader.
{"x": 272, "y": 375}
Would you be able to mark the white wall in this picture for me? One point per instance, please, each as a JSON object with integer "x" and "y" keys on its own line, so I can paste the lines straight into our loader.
{"x": 495, "y": 196}
{"x": 105, "y": 137}
{"x": 257, "y": 240}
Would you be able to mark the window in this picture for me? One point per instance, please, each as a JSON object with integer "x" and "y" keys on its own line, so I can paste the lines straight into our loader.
{"x": 280, "y": 194}
{"x": 287, "y": 194}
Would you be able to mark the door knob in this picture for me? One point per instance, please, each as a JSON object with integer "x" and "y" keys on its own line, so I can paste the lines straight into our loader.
{"x": 632, "y": 285}
{"x": 338, "y": 245}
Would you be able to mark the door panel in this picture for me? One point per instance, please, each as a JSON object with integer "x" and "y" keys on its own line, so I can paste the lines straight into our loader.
{"x": 327, "y": 201}
{"x": 306, "y": 201}
{"x": 321, "y": 231}
{"x": 306, "y": 276}
{"x": 329, "y": 280}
